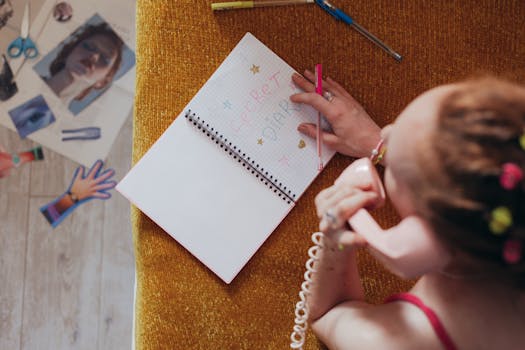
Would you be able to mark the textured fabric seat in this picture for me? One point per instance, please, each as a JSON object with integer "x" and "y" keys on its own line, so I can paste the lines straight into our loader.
{"x": 180, "y": 304}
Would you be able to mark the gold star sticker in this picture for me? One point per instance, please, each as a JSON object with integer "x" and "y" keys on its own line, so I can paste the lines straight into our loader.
{"x": 260, "y": 141}
{"x": 254, "y": 69}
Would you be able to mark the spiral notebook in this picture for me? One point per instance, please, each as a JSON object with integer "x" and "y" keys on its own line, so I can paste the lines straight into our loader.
{"x": 232, "y": 165}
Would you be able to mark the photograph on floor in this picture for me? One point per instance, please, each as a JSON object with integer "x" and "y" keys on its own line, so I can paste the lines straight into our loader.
{"x": 85, "y": 65}
{"x": 31, "y": 116}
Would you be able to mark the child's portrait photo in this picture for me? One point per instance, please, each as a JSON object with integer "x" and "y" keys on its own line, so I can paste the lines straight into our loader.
{"x": 84, "y": 66}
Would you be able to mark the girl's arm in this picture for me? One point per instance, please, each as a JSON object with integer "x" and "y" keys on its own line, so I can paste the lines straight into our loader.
{"x": 338, "y": 313}
{"x": 336, "y": 279}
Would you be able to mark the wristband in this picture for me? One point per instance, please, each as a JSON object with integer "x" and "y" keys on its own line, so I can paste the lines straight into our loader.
{"x": 378, "y": 152}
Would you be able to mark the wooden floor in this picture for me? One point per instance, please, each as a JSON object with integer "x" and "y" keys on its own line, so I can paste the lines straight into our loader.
{"x": 69, "y": 287}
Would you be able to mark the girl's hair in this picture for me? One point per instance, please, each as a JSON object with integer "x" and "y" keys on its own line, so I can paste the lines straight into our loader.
{"x": 100, "y": 29}
{"x": 478, "y": 130}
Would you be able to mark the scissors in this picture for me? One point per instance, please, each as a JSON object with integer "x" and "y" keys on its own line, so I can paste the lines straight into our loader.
{"x": 23, "y": 44}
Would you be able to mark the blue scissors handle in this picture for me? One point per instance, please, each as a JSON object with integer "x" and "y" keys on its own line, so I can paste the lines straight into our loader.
{"x": 21, "y": 46}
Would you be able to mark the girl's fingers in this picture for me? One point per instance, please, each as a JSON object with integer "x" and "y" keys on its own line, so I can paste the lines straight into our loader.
{"x": 332, "y": 202}
{"x": 327, "y": 138}
{"x": 342, "y": 211}
{"x": 349, "y": 239}
{"x": 348, "y": 206}
{"x": 330, "y": 197}
{"x": 322, "y": 198}
{"x": 338, "y": 89}
{"x": 316, "y": 101}
{"x": 329, "y": 85}
{"x": 303, "y": 83}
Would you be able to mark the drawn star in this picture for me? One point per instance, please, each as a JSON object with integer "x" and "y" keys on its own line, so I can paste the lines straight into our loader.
{"x": 227, "y": 104}
{"x": 260, "y": 141}
{"x": 255, "y": 69}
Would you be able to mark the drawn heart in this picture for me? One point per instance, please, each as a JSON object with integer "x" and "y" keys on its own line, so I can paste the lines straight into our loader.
{"x": 302, "y": 144}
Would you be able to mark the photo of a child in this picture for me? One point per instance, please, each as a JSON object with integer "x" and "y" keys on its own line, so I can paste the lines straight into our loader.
{"x": 85, "y": 65}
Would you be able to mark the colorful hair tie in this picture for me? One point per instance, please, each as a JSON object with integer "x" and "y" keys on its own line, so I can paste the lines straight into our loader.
{"x": 511, "y": 175}
{"x": 512, "y": 251}
{"x": 500, "y": 220}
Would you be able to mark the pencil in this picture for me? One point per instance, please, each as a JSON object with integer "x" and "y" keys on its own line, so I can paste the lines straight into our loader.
{"x": 234, "y": 5}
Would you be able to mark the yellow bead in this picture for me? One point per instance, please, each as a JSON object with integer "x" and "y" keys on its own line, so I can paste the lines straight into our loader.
{"x": 522, "y": 141}
{"x": 501, "y": 220}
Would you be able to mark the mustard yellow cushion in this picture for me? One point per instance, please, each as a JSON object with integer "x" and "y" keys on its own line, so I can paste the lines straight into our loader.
{"x": 180, "y": 303}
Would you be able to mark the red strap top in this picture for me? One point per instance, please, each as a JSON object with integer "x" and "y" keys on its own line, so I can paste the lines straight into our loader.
{"x": 440, "y": 331}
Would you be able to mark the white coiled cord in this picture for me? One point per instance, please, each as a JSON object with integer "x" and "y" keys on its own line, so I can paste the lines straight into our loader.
{"x": 298, "y": 335}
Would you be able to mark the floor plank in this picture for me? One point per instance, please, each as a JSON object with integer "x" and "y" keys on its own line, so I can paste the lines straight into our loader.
{"x": 13, "y": 235}
{"x": 18, "y": 179}
{"x": 53, "y": 176}
{"x": 62, "y": 288}
{"x": 116, "y": 294}
{"x": 71, "y": 287}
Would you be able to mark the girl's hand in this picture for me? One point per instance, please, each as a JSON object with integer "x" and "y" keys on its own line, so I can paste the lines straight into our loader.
{"x": 357, "y": 187}
{"x": 354, "y": 134}
{"x": 336, "y": 204}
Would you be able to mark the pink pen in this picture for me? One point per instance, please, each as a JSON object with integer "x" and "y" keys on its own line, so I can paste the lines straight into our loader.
{"x": 319, "y": 90}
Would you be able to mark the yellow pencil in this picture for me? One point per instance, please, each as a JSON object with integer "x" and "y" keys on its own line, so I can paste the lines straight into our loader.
{"x": 234, "y": 5}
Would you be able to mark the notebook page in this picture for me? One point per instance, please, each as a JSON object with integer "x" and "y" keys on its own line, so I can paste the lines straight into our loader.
{"x": 203, "y": 199}
{"x": 247, "y": 100}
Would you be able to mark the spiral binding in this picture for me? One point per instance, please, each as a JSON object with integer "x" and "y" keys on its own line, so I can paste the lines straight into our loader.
{"x": 298, "y": 335}
{"x": 241, "y": 157}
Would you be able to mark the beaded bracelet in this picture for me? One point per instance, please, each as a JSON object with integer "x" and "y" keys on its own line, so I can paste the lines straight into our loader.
{"x": 378, "y": 152}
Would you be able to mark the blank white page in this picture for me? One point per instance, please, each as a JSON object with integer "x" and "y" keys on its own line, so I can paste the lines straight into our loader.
{"x": 204, "y": 199}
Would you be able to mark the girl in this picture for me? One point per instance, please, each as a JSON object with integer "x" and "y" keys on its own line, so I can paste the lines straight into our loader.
{"x": 454, "y": 162}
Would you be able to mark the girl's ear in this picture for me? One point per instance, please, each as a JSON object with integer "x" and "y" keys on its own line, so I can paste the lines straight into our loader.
{"x": 409, "y": 249}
